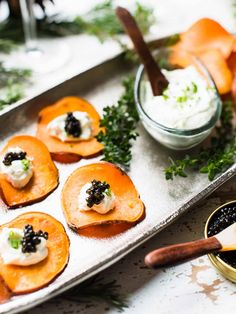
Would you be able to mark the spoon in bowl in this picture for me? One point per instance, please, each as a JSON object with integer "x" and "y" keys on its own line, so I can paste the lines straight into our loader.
{"x": 157, "y": 79}
{"x": 177, "y": 253}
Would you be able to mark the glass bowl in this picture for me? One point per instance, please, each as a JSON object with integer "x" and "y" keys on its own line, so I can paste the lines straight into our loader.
{"x": 177, "y": 139}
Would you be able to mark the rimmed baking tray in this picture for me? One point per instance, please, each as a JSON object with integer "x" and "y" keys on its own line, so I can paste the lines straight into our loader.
{"x": 164, "y": 200}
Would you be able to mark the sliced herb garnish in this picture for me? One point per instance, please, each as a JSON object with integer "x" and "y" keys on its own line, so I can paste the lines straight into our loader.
{"x": 195, "y": 88}
{"x": 108, "y": 192}
{"x": 165, "y": 94}
{"x": 26, "y": 164}
{"x": 120, "y": 123}
{"x": 15, "y": 240}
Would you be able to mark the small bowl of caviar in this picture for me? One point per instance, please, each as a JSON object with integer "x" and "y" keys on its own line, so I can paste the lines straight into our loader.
{"x": 220, "y": 219}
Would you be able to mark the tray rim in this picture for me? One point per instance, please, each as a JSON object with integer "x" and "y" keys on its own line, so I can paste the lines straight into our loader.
{"x": 229, "y": 173}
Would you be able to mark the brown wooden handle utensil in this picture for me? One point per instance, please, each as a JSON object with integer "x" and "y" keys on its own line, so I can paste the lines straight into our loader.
{"x": 156, "y": 78}
{"x": 177, "y": 253}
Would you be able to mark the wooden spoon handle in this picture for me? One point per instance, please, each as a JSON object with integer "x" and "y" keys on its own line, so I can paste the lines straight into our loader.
{"x": 181, "y": 252}
{"x": 156, "y": 78}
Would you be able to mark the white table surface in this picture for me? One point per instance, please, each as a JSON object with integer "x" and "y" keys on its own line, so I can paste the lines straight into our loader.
{"x": 193, "y": 287}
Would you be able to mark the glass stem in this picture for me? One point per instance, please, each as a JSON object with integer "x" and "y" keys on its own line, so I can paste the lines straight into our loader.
{"x": 29, "y": 25}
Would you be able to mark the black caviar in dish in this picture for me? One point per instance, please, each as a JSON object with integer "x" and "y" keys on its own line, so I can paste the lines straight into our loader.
{"x": 223, "y": 218}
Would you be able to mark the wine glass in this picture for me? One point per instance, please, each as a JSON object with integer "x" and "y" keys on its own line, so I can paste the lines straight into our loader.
{"x": 42, "y": 56}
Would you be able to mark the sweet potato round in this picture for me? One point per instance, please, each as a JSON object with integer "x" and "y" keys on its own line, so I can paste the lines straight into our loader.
{"x": 67, "y": 152}
{"x": 25, "y": 279}
{"x": 129, "y": 208}
{"x": 5, "y": 293}
{"x": 45, "y": 177}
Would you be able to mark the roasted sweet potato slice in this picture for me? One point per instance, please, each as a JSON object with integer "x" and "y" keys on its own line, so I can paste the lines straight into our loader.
{"x": 180, "y": 58}
{"x": 70, "y": 151}
{"x": 45, "y": 177}
{"x": 5, "y": 293}
{"x": 219, "y": 70}
{"x": 129, "y": 208}
{"x": 213, "y": 61}
{"x": 206, "y": 34}
{"x": 25, "y": 279}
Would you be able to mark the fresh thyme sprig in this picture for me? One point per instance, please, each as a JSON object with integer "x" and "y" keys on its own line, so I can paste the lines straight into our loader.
{"x": 120, "y": 123}
{"x": 100, "y": 21}
{"x": 216, "y": 158}
{"x": 96, "y": 288}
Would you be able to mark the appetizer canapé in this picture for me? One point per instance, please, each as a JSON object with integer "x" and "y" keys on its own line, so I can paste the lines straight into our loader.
{"x": 68, "y": 128}
{"x": 100, "y": 194}
{"x": 27, "y": 172}
{"x": 34, "y": 249}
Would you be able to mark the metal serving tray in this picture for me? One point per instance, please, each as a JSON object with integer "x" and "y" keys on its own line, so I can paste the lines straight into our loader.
{"x": 164, "y": 200}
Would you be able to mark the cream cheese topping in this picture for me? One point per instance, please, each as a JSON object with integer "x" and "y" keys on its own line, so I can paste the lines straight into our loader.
{"x": 187, "y": 103}
{"x": 15, "y": 256}
{"x": 19, "y": 172}
{"x": 56, "y": 127}
{"x": 107, "y": 204}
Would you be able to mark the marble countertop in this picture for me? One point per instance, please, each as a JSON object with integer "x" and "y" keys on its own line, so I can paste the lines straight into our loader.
{"x": 193, "y": 287}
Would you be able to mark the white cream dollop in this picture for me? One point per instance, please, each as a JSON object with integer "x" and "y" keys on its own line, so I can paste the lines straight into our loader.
{"x": 107, "y": 204}
{"x": 56, "y": 127}
{"x": 13, "y": 256}
{"x": 187, "y": 103}
{"x": 17, "y": 173}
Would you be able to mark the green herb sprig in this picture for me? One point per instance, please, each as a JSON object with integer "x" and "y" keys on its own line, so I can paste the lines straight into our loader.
{"x": 12, "y": 84}
{"x": 120, "y": 123}
{"x": 97, "y": 289}
{"x": 216, "y": 158}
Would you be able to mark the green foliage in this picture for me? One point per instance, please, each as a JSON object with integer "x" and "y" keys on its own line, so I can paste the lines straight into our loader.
{"x": 13, "y": 75}
{"x": 97, "y": 289}
{"x": 120, "y": 123}
{"x": 12, "y": 82}
{"x": 6, "y": 45}
{"x": 100, "y": 21}
{"x": 216, "y": 158}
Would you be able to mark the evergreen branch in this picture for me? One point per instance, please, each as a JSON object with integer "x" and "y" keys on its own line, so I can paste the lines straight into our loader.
{"x": 97, "y": 289}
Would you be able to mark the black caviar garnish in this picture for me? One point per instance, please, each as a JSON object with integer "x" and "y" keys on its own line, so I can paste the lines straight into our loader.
{"x": 222, "y": 219}
{"x": 11, "y": 156}
{"x": 31, "y": 239}
{"x": 96, "y": 192}
{"x": 72, "y": 125}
